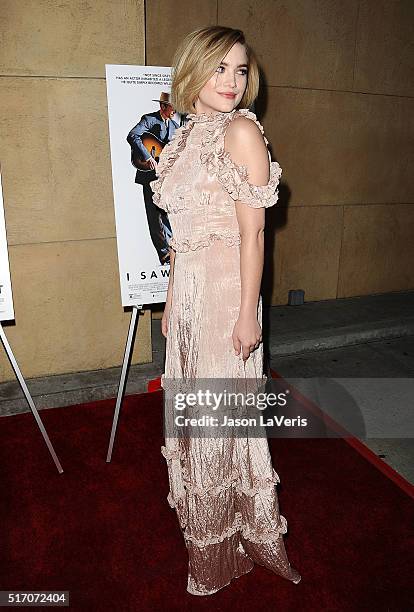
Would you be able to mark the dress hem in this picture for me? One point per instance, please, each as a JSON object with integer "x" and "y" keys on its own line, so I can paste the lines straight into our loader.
{"x": 193, "y": 592}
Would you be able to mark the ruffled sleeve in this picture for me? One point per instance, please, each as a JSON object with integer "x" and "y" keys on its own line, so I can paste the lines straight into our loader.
{"x": 166, "y": 160}
{"x": 255, "y": 196}
{"x": 234, "y": 177}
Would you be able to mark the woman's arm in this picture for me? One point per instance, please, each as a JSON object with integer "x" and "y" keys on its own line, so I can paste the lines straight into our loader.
{"x": 168, "y": 301}
{"x": 247, "y": 147}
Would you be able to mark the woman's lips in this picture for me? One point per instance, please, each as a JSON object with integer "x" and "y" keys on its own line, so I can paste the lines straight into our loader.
{"x": 228, "y": 95}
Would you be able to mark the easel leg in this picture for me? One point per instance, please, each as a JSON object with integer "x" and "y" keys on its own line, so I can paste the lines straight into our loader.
{"x": 122, "y": 381}
{"x": 28, "y": 397}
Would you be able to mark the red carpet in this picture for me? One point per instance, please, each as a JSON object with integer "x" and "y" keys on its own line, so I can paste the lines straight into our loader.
{"x": 105, "y": 532}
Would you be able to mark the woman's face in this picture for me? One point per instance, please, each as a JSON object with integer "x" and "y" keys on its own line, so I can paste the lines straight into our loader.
{"x": 229, "y": 78}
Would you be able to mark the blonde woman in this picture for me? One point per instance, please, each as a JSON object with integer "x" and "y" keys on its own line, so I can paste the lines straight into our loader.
{"x": 215, "y": 179}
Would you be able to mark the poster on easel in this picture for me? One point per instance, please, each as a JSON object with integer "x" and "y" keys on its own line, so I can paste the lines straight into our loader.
{"x": 6, "y": 296}
{"x": 141, "y": 121}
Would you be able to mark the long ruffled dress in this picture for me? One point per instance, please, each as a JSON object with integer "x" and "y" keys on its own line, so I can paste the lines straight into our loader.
{"x": 223, "y": 490}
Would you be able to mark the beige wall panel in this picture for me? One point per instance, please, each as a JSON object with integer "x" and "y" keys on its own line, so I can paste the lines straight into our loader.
{"x": 342, "y": 148}
{"x": 55, "y": 159}
{"x": 384, "y": 51}
{"x": 68, "y": 310}
{"x": 377, "y": 250}
{"x": 167, "y": 23}
{"x": 300, "y": 43}
{"x": 70, "y": 37}
{"x": 303, "y": 253}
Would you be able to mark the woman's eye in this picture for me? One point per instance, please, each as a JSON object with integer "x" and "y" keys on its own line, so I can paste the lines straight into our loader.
{"x": 242, "y": 70}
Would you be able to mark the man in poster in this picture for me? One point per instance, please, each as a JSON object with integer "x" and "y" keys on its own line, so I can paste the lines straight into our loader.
{"x": 147, "y": 139}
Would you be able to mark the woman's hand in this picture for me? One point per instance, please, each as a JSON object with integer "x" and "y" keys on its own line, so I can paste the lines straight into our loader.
{"x": 164, "y": 320}
{"x": 247, "y": 335}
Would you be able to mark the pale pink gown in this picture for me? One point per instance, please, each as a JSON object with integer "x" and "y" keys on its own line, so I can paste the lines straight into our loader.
{"x": 223, "y": 490}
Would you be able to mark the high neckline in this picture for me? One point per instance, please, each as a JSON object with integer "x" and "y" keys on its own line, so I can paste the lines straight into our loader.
{"x": 218, "y": 116}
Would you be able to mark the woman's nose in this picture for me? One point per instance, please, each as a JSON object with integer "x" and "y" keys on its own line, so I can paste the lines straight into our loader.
{"x": 231, "y": 81}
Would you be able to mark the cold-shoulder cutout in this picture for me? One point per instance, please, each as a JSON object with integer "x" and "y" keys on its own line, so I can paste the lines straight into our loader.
{"x": 233, "y": 176}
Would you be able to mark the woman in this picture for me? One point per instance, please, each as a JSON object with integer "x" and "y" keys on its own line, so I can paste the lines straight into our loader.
{"x": 215, "y": 179}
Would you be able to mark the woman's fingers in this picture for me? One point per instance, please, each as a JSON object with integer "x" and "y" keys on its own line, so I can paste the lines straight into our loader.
{"x": 253, "y": 347}
{"x": 245, "y": 349}
{"x": 236, "y": 345}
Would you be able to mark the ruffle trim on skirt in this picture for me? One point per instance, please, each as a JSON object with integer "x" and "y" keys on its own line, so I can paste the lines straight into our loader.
{"x": 179, "y": 501}
{"x": 232, "y": 480}
{"x": 230, "y": 238}
{"x": 254, "y": 535}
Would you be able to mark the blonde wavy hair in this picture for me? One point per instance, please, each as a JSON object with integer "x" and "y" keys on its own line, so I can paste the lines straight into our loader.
{"x": 197, "y": 59}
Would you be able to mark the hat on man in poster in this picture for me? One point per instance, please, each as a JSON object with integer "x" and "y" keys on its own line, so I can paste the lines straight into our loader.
{"x": 164, "y": 97}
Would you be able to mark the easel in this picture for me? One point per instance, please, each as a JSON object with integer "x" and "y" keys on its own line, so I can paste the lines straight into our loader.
{"x": 28, "y": 397}
{"x": 122, "y": 381}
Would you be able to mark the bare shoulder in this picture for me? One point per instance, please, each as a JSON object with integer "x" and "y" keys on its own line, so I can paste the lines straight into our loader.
{"x": 245, "y": 143}
{"x": 242, "y": 129}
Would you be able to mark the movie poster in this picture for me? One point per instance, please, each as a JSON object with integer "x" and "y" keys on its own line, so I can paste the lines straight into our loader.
{"x": 141, "y": 121}
{"x": 6, "y": 296}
